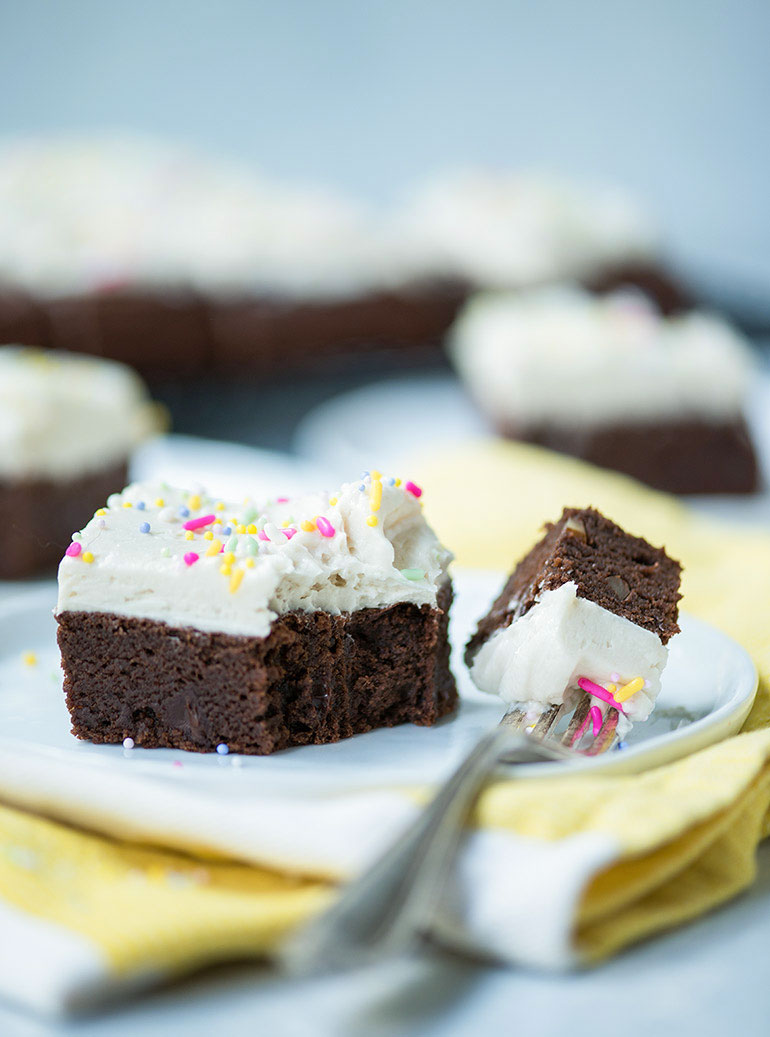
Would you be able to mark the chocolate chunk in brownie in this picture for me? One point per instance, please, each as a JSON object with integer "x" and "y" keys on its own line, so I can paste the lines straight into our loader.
{"x": 622, "y": 573}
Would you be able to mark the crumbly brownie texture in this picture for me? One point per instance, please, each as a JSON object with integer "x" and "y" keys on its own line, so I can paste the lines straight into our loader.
{"x": 621, "y": 573}
{"x": 655, "y": 281}
{"x": 679, "y": 456}
{"x": 38, "y": 516}
{"x": 316, "y": 678}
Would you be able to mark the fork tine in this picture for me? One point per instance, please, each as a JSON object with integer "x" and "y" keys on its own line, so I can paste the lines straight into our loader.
{"x": 606, "y": 736}
{"x": 547, "y": 720}
{"x": 581, "y": 712}
{"x": 514, "y": 719}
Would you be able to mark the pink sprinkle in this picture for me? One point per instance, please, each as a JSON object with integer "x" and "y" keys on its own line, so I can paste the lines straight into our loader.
{"x": 598, "y": 691}
{"x": 191, "y": 558}
{"x": 263, "y": 535}
{"x": 414, "y": 490}
{"x": 596, "y": 719}
{"x": 73, "y": 550}
{"x": 176, "y": 763}
{"x": 199, "y": 523}
{"x": 325, "y": 528}
{"x": 281, "y": 500}
{"x": 289, "y": 532}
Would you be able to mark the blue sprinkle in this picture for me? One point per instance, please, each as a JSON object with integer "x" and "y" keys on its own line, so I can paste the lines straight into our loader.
{"x": 364, "y": 475}
{"x": 223, "y": 748}
{"x": 145, "y": 527}
{"x": 184, "y": 512}
{"x": 391, "y": 481}
{"x": 362, "y": 488}
{"x": 622, "y": 745}
{"x": 227, "y": 531}
{"x": 141, "y": 505}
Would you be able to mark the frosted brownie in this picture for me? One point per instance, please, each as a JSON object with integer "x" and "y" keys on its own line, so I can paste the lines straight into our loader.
{"x": 194, "y": 623}
{"x": 68, "y": 426}
{"x": 587, "y": 613}
{"x": 611, "y": 381}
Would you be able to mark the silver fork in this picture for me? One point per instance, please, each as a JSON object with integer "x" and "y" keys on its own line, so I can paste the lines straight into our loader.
{"x": 389, "y": 909}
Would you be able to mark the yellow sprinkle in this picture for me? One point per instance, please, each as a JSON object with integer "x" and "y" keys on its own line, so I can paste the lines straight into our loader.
{"x": 217, "y": 522}
{"x": 630, "y": 689}
{"x": 307, "y": 526}
{"x": 225, "y": 569}
{"x": 375, "y": 495}
{"x": 611, "y": 689}
{"x": 235, "y": 580}
{"x": 189, "y": 535}
{"x": 215, "y": 548}
{"x": 127, "y": 504}
{"x": 194, "y": 501}
{"x": 376, "y": 475}
{"x": 228, "y": 558}
{"x": 241, "y": 529}
{"x": 208, "y": 535}
{"x": 372, "y": 520}
{"x": 219, "y": 506}
{"x": 249, "y": 563}
{"x": 101, "y": 511}
{"x": 397, "y": 482}
{"x": 251, "y": 528}
{"x": 285, "y": 525}
{"x": 332, "y": 501}
{"x": 87, "y": 557}
{"x": 159, "y": 502}
{"x": 30, "y": 659}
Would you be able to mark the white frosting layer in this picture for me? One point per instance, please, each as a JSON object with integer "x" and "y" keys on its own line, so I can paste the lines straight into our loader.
{"x": 564, "y": 357}
{"x": 512, "y": 229}
{"x": 242, "y": 588}
{"x": 540, "y": 656}
{"x": 64, "y": 415}
{"x": 84, "y": 215}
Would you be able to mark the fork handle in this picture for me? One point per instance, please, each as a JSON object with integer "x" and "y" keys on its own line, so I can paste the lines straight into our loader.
{"x": 386, "y": 909}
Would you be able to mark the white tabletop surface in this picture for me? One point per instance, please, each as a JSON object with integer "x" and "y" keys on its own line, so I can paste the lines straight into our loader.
{"x": 711, "y": 977}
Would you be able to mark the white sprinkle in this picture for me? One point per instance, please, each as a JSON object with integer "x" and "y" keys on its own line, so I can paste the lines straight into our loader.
{"x": 128, "y": 743}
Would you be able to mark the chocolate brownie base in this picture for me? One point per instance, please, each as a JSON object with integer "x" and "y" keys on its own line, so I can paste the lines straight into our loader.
{"x": 316, "y": 678}
{"x": 680, "y": 456}
{"x": 155, "y": 333}
{"x": 621, "y": 573}
{"x": 655, "y": 281}
{"x": 273, "y": 336}
{"x": 22, "y": 320}
{"x": 38, "y": 516}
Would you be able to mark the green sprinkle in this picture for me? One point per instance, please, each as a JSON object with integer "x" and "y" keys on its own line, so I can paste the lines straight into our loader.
{"x": 249, "y": 515}
{"x": 232, "y": 544}
{"x": 413, "y": 574}
{"x": 165, "y": 552}
{"x": 251, "y": 546}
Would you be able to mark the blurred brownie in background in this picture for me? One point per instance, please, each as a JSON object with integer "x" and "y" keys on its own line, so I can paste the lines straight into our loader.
{"x": 68, "y": 425}
{"x": 612, "y": 381}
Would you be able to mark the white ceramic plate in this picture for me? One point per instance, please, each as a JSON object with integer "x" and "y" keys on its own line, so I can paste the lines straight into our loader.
{"x": 433, "y": 410}
{"x": 708, "y": 688}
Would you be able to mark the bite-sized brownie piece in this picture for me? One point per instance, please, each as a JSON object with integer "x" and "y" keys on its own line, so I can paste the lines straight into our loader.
{"x": 589, "y": 602}
{"x": 197, "y": 624}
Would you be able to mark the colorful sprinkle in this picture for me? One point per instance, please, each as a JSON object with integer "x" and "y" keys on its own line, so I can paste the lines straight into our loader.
{"x": 289, "y": 532}
{"x": 216, "y": 547}
{"x": 630, "y": 689}
{"x": 184, "y": 512}
{"x": 159, "y": 502}
{"x": 128, "y": 743}
{"x": 598, "y": 691}
{"x": 141, "y": 505}
{"x": 223, "y": 748}
{"x": 87, "y": 557}
{"x": 232, "y": 544}
{"x": 144, "y": 527}
{"x": 189, "y": 535}
{"x": 249, "y": 563}
{"x": 413, "y": 574}
{"x": 375, "y": 495}
{"x": 191, "y": 558}
{"x": 415, "y": 491}
{"x": 127, "y": 504}
{"x": 164, "y": 552}
{"x": 101, "y": 511}
{"x": 194, "y": 501}
{"x": 235, "y": 580}
{"x": 281, "y": 500}
{"x": 307, "y": 525}
{"x": 251, "y": 529}
{"x": 208, "y": 535}
{"x": 199, "y": 523}
{"x": 29, "y": 659}
{"x": 325, "y": 528}
{"x": 332, "y": 501}
{"x": 73, "y": 550}
{"x": 225, "y": 569}
{"x": 228, "y": 558}
{"x": 372, "y": 520}
{"x": 263, "y": 535}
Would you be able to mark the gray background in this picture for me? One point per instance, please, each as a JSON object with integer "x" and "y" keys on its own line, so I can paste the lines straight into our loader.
{"x": 668, "y": 97}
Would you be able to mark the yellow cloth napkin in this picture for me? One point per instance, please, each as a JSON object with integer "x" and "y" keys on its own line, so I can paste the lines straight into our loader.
{"x": 83, "y": 913}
